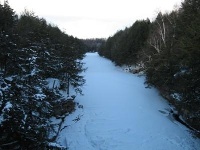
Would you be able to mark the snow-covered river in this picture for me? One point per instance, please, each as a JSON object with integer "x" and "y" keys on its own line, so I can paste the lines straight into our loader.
{"x": 119, "y": 113}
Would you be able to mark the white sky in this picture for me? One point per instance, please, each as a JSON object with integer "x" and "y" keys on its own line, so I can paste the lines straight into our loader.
{"x": 93, "y": 18}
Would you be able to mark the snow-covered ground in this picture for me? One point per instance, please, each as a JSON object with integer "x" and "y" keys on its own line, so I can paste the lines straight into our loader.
{"x": 119, "y": 113}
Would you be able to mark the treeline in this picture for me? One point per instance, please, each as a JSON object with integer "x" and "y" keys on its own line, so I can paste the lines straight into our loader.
{"x": 93, "y": 45}
{"x": 167, "y": 50}
{"x": 31, "y": 51}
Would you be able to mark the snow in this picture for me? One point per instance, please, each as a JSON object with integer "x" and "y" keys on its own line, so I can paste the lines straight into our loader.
{"x": 9, "y": 78}
{"x": 56, "y": 145}
{"x": 182, "y": 71}
{"x": 33, "y": 72}
{"x": 7, "y": 106}
{"x": 1, "y": 119}
{"x": 176, "y": 96}
{"x": 119, "y": 113}
{"x": 1, "y": 94}
{"x": 53, "y": 83}
{"x": 40, "y": 96}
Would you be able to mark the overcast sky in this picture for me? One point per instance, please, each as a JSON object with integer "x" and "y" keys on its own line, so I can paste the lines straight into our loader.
{"x": 94, "y": 18}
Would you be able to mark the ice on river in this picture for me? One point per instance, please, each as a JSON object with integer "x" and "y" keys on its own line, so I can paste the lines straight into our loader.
{"x": 119, "y": 113}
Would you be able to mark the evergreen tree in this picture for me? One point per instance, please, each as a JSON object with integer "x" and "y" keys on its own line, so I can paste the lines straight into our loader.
{"x": 188, "y": 75}
{"x": 32, "y": 51}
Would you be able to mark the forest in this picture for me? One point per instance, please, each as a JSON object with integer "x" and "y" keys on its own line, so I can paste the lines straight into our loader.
{"x": 167, "y": 51}
{"x": 93, "y": 45}
{"x": 32, "y": 51}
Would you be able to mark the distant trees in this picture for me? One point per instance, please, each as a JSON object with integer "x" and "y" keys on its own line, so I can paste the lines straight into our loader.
{"x": 168, "y": 51}
{"x": 31, "y": 50}
{"x": 93, "y": 45}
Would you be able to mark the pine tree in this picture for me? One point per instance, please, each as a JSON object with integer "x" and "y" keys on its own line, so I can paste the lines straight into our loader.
{"x": 32, "y": 51}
